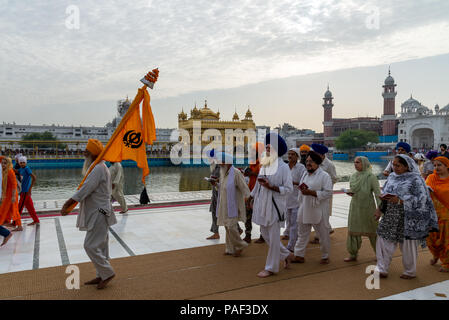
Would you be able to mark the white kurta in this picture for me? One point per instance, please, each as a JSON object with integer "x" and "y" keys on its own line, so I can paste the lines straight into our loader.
{"x": 292, "y": 202}
{"x": 296, "y": 172}
{"x": 314, "y": 209}
{"x": 328, "y": 167}
{"x": 118, "y": 181}
{"x": 117, "y": 176}
{"x": 241, "y": 192}
{"x": 95, "y": 217}
{"x": 264, "y": 212}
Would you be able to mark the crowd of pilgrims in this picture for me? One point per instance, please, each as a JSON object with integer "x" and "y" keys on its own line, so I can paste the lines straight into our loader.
{"x": 410, "y": 210}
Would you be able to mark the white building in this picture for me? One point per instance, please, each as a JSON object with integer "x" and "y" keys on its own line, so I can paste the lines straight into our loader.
{"x": 422, "y": 127}
{"x": 74, "y": 136}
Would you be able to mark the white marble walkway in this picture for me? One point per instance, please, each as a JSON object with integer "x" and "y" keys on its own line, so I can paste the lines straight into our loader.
{"x": 56, "y": 241}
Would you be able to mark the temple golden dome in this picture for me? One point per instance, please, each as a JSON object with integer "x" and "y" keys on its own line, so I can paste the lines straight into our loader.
{"x": 248, "y": 114}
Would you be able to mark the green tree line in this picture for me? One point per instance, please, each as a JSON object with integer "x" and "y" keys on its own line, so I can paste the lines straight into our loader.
{"x": 354, "y": 138}
{"x": 46, "y": 136}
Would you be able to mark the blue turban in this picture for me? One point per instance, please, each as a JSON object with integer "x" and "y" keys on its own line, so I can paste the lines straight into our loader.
{"x": 319, "y": 148}
{"x": 211, "y": 153}
{"x": 404, "y": 145}
{"x": 271, "y": 138}
{"x": 431, "y": 154}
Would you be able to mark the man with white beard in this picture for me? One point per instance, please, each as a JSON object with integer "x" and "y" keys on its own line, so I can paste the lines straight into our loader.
{"x": 96, "y": 214}
{"x": 315, "y": 192}
{"x": 232, "y": 192}
{"x": 270, "y": 202}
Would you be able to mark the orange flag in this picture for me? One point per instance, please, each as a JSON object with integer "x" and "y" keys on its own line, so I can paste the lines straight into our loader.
{"x": 130, "y": 142}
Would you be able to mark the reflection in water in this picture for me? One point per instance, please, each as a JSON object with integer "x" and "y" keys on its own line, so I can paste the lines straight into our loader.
{"x": 62, "y": 183}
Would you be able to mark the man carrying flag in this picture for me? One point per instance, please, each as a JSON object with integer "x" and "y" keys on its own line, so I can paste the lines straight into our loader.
{"x": 96, "y": 214}
{"x": 94, "y": 193}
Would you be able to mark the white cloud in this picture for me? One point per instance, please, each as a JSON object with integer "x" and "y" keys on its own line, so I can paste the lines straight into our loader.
{"x": 199, "y": 45}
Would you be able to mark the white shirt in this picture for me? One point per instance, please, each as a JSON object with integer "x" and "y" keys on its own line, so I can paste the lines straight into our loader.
{"x": 264, "y": 211}
{"x": 313, "y": 209}
{"x": 93, "y": 195}
{"x": 329, "y": 168}
{"x": 296, "y": 172}
{"x": 117, "y": 176}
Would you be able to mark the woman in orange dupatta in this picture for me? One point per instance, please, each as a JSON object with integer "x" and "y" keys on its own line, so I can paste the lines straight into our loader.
{"x": 438, "y": 242}
{"x": 9, "y": 208}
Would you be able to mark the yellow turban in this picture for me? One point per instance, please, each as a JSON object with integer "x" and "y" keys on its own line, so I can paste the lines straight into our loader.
{"x": 304, "y": 147}
{"x": 94, "y": 147}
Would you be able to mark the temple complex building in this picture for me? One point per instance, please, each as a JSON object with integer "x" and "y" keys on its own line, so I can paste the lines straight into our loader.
{"x": 205, "y": 127}
{"x": 422, "y": 127}
{"x": 416, "y": 124}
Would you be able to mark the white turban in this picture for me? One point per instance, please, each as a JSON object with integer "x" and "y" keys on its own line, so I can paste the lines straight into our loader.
{"x": 295, "y": 150}
{"x": 17, "y": 157}
{"x": 23, "y": 159}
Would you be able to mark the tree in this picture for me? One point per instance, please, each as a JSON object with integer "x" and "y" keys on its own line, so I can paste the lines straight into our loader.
{"x": 352, "y": 139}
{"x": 41, "y": 140}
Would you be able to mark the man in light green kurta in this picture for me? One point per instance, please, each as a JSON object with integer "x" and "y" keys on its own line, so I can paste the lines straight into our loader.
{"x": 231, "y": 204}
{"x": 365, "y": 191}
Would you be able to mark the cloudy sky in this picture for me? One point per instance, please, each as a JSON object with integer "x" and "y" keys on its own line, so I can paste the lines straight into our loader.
{"x": 68, "y": 62}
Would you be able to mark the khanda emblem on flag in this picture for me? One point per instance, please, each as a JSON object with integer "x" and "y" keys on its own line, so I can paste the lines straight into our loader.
{"x": 132, "y": 139}
{"x": 129, "y": 140}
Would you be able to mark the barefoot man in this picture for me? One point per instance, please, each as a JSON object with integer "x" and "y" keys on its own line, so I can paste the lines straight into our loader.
{"x": 270, "y": 202}
{"x": 232, "y": 193}
{"x": 96, "y": 214}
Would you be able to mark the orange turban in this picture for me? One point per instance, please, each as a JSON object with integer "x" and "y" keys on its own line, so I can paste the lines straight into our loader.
{"x": 258, "y": 146}
{"x": 443, "y": 160}
{"x": 94, "y": 146}
{"x": 304, "y": 147}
